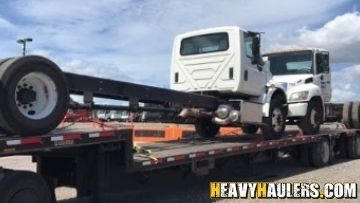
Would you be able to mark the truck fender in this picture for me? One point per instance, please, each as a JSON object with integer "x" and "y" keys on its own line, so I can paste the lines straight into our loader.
{"x": 270, "y": 93}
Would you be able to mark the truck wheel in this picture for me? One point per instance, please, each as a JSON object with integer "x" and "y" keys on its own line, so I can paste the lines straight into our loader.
{"x": 206, "y": 128}
{"x": 276, "y": 121}
{"x": 250, "y": 129}
{"x": 310, "y": 123}
{"x": 34, "y": 96}
{"x": 321, "y": 153}
{"x": 355, "y": 115}
{"x": 353, "y": 147}
{"x": 22, "y": 186}
{"x": 346, "y": 114}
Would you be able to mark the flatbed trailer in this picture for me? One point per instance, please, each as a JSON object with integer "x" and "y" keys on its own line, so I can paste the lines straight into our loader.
{"x": 88, "y": 156}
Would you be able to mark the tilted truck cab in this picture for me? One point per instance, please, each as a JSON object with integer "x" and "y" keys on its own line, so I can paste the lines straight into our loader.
{"x": 306, "y": 75}
{"x": 225, "y": 62}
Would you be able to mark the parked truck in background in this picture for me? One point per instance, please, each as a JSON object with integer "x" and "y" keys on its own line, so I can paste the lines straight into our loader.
{"x": 112, "y": 115}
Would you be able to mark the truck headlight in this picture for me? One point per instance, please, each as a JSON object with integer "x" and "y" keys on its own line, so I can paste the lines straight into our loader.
{"x": 298, "y": 96}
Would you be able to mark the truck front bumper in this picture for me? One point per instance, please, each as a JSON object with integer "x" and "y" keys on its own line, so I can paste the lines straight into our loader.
{"x": 297, "y": 109}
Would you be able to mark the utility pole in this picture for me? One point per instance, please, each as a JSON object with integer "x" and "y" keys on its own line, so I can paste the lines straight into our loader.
{"x": 23, "y": 43}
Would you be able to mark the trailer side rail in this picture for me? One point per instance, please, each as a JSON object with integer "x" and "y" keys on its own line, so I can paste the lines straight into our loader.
{"x": 76, "y": 136}
{"x": 179, "y": 153}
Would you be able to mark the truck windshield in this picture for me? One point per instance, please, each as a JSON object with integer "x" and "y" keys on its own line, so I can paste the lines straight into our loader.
{"x": 291, "y": 63}
{"x": 204, "y": 44}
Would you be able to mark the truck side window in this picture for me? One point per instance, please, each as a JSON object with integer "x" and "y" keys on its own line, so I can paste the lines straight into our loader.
{"x": 248, "y": 42}
{"x": 322, "y": 62}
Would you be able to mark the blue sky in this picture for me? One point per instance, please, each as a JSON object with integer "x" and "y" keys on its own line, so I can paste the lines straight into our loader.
{"x": 131, "y": 40}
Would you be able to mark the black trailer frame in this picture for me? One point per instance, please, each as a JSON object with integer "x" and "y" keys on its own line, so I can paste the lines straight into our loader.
{"x": 105, "y": 88}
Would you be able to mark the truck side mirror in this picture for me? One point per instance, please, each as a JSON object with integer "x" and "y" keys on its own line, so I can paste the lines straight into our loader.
{"x": 256, "y": 50}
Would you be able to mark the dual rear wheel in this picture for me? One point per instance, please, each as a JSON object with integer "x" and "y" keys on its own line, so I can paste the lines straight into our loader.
{"x": 34, "y": 96}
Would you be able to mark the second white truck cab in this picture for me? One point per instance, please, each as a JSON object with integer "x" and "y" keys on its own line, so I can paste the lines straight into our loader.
{"x": 226, "y": 62}
{"x": 306, "y": 75}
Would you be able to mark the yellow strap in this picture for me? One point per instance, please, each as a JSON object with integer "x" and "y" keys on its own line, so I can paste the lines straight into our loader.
{"x": 147, "y": 152}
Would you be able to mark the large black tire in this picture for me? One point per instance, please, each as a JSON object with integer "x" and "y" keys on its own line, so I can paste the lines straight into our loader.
{"x": 22, "y": 186}
{"x": 310, "y": 123}
{"x": 17, "y": 71}
{"x": 353, "y": 147}
{"x": 321, "y": 153}
{"x": 355, "y": 115}
{"x": 250, "y": 129}
{"x": 276, "y": 122}
{"x": 346, "y": 114}
{"x": 206, "y": 128}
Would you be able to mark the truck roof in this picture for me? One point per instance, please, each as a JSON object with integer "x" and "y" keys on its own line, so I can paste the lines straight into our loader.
{"x": 210, "y": 30}
{"x": 282, "y": 51}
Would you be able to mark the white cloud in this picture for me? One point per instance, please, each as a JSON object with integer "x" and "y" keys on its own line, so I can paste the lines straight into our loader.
{"x": 4, "y": 24}
{"x": 345, "y": 84}
{"x": 340, "y": 36}
{"x": 124, "y": 39}
{"x": 131, "y": 39}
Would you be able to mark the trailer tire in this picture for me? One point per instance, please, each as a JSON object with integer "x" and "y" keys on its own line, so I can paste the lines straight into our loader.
{"x": 33, "y": 95}
{"x": 346, "y": 114}
{"x": 310, "y": 123}
{"x": 355, "y": 115}
{"x": 250, "y": 129}
{"x": 277, "y": 114}
{"x": 353, "y": 147}
{"x": 23, "y": 186}
{"x": 321, "y": 153}
{"x": 204, "y": 127}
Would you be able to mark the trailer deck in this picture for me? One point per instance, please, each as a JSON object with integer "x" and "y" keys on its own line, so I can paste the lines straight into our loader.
{"x": 184, "y": 148}
{"x": 164, "y": 154}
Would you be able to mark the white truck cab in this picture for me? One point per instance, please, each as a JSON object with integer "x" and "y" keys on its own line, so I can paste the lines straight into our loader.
{"x": 225, "y": 62}
{"x": 306, "y": 75}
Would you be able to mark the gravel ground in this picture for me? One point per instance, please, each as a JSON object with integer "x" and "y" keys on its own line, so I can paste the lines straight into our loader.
{"x": 173, "y": 186}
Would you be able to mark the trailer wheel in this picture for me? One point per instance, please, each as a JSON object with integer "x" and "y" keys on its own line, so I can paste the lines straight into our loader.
{"x": 34, "y": 95}
{"x": 321, "y": 153}
{"x": 206, "y": 128}
{"x": 23, "y": 186}
{"x": 353, "y": 147}
{"x": 276, "y": 121}
{"x": 250, "y": 129}
{"x": 310, "y": 123}
{"x": 346, "y": 114}
{"x": 355, "y": 115}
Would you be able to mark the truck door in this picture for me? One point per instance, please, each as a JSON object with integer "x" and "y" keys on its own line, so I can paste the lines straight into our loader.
{"x": 322, "y": 74}
{"x": 254, "y": 76}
